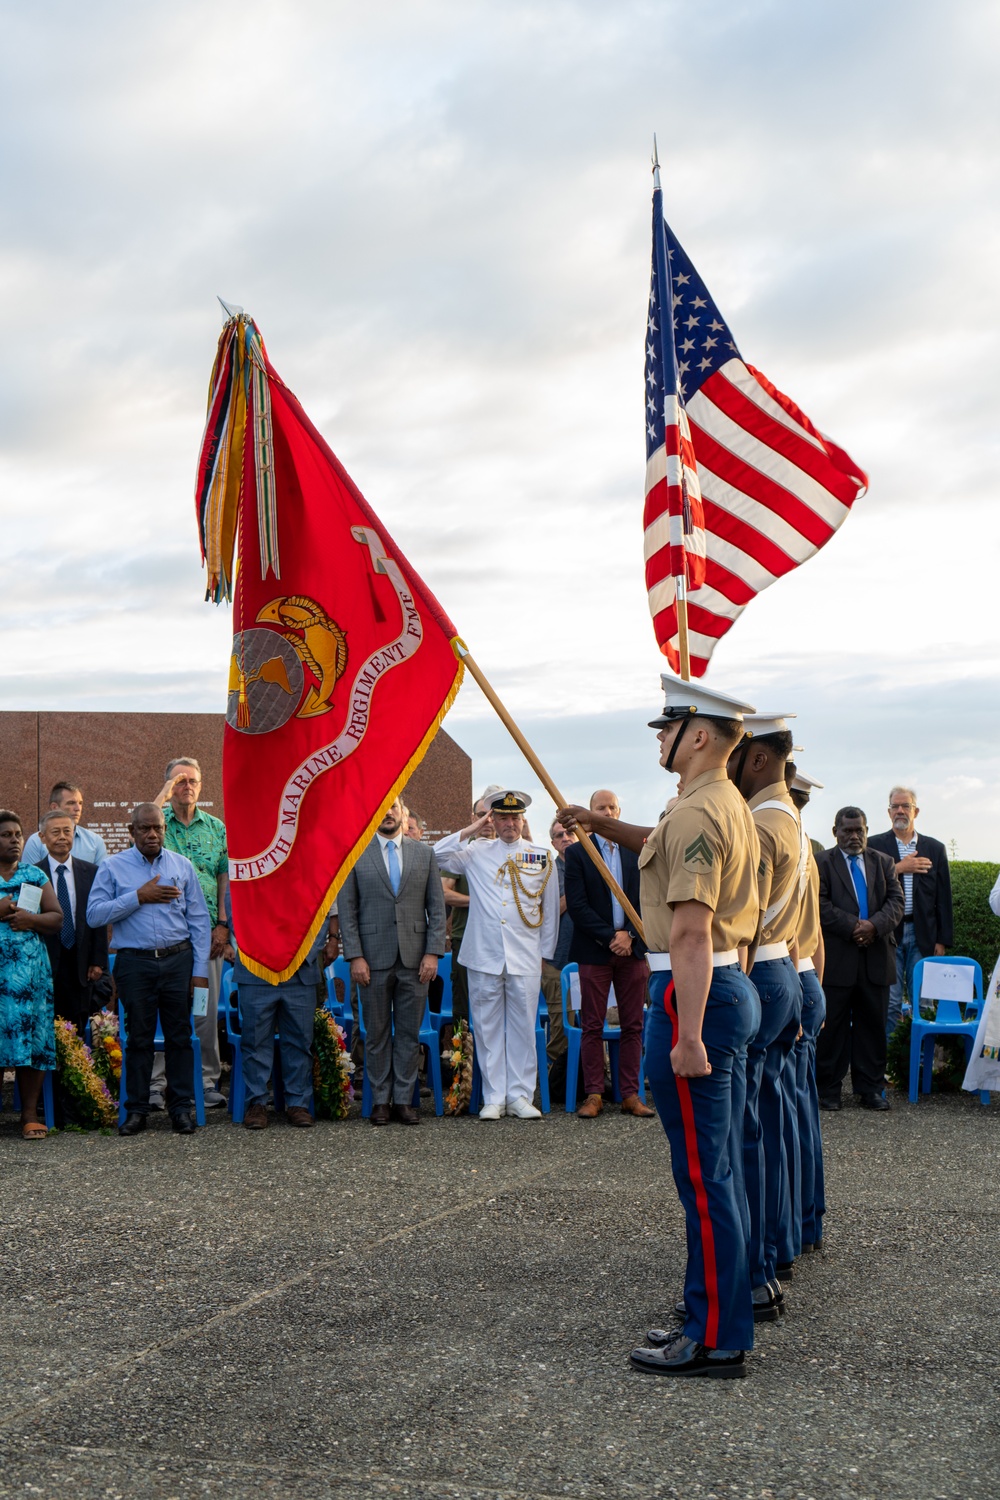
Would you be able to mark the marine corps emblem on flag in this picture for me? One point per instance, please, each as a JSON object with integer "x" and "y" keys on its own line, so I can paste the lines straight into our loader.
{"x": 266, "y": 676}
{"x": 343, "y": 663}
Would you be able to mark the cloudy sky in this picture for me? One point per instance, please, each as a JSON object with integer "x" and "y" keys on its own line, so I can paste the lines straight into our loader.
{"x": 438, "y": 213}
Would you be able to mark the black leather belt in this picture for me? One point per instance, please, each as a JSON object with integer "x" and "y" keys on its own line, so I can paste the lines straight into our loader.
{"x": 157, "y": 952}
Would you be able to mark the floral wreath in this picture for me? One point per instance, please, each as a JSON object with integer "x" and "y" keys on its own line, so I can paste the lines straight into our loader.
{"x": 106, "y": 1050}
{"x": 459, "y": 1055}
{"x": 333, "y": 1090}
{"x": 76, "y": 1072}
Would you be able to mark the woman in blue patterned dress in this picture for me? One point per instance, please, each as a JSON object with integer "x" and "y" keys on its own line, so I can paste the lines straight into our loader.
{"x": 27, "y": 1031}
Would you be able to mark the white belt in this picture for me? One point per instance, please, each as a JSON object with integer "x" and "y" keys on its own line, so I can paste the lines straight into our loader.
{"x": 770, "y": 950}
{"x": 806, "y": 966}
{"x": 719, "y": 960}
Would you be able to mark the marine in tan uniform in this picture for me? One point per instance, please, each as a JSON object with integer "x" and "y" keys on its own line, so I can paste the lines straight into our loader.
{"x": 770, "y": 1157}
{"x": 812, "y": 1197}
{"x": 700, "y": 907}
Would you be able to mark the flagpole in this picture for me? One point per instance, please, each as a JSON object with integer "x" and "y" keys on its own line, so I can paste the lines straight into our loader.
{"x": 683, "y": 644}
{"x": 560, "y": 801}
{"x": 680, "y": 581}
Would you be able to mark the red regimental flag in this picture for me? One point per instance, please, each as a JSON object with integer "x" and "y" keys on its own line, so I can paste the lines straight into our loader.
{"x": 343, "y": 662}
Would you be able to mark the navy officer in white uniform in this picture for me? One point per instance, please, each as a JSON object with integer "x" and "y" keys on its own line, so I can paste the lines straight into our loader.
{"x": 513, "y": 920}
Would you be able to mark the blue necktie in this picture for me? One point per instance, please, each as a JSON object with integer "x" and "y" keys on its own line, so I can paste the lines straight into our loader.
{"x": 861, "y": 889}
{"x": 392, "y": 854}
{"x": 68, "y": 931}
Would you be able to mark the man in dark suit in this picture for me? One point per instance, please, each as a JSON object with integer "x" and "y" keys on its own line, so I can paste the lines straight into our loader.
{"x": 860, "y": 906}
{"x": 609, "y": 951}
{"x": 392, "y": 925}
{"x": 78, "y": 953}
{"x": 922, "y": 867}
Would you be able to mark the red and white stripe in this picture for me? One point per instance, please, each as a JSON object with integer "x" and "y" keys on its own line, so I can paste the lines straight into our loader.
{"x": 772, "y": 491}
{"x": 671, "y": 548}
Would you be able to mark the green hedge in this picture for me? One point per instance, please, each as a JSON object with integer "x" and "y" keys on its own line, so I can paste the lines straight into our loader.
{"x": 977, "y": 930}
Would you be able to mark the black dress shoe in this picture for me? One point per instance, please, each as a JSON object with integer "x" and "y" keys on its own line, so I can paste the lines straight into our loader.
{"x": 132, "y": 1124}
{"x": 683, "y": 1356}
{"x": 832, "y": 1105}
{"x": 768, "y": 1307}
{"x": 768, "y": 1303}
{"x": 407, "y": 1115}
{"x": 816, "y": 1248}
{"x": 380, "y": 1114}
{"x": 875, "y": 1101}
{"x": 786, "y": 1270}
{"x": 183, "y": 1122}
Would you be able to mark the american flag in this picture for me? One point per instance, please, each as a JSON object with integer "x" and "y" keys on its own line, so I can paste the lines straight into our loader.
{"x": 740, "y": 486}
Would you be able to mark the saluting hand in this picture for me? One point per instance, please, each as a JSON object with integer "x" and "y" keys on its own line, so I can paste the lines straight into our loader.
{"x": 476, "y": 828}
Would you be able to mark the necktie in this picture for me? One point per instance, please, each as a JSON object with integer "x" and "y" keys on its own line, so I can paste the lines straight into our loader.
{"x": 617, "y": 914}
{"x": 861, "y": 889}
{"x": 68, "y": 931}
{"x": 392, "y": 854}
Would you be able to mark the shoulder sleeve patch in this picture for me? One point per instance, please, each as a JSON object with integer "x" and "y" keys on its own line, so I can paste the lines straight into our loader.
{"x": 699, "y": 852}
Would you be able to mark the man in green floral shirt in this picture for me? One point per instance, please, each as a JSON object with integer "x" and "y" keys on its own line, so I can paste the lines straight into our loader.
{"x": 201, "y": 838}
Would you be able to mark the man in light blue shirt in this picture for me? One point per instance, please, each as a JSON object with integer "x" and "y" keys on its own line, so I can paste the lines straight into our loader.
{"x": 67, "y": 798}
{"x": 162, "y": 933}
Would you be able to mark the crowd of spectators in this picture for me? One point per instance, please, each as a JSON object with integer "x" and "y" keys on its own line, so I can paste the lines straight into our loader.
{"x": 885, "y": 902}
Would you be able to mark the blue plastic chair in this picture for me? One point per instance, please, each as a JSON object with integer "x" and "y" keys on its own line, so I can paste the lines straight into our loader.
{"x": 948, "y": 1021}
{"x": 571, "y": 1004}
{"x": 544, "y": 1100}
{"x": 444, "y": 974}
{"x": 342, "y": 971}
{"x": 429, "y": 1036}
{"x": 341, "y": 1009}
{"x": 48, "y": 1099}
{"x": 158, "y": 1046}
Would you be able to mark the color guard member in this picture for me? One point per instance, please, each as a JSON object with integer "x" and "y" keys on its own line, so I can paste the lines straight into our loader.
{"x": 757, "y": 769}
{"x": 809, "y": 942}
{"x": 700, "y": 906}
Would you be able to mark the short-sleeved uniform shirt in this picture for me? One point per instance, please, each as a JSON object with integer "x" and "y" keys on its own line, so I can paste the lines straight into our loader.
{"x": 203, "y": 842}
{"x": 780, "y": 837}
{"x": 705, "y": 849}
{"x": 808, "y": 929}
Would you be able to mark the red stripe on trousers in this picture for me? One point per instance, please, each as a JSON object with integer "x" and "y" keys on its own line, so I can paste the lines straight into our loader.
{"x": 700, "y": 1195}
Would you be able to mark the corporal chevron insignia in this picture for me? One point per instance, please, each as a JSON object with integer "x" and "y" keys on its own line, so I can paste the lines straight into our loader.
{"x": 699, "y": 852}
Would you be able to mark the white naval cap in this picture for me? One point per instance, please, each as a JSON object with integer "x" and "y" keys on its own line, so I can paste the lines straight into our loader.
{"x": 509, "y": 802}
{"x": 766, "y": 723}
{"x": 803, "y": 783}
{"x": 685, "y": 698}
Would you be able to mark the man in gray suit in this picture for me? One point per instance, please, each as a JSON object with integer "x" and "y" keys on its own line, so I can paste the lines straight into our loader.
{"x": 392, "y": 926}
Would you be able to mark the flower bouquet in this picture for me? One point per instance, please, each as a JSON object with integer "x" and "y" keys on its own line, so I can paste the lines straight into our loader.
{"x": 75, "y": 1071}
{"x": 332, "y": 1068}
{"x": 459, "y": 1056}
{"x": 106, "y": 1050}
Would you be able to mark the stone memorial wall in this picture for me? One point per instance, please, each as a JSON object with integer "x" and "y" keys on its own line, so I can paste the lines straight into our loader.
{"x": 121, "y": 759}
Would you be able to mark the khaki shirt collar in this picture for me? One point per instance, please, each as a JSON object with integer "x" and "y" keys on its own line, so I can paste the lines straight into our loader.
{"x": 717, "y": 773}
{"x": 776, "y": 792}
